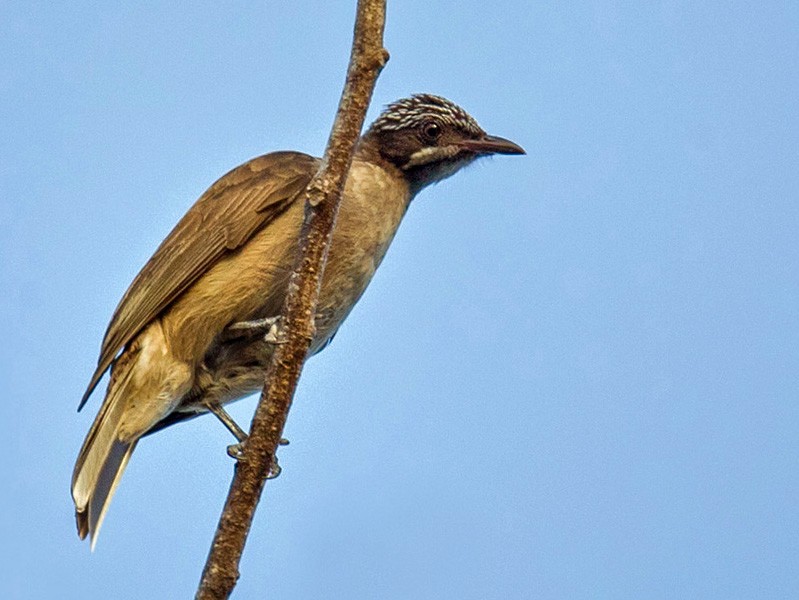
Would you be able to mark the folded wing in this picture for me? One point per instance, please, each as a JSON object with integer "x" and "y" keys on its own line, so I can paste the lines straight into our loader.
{"x": 228, "y": 214}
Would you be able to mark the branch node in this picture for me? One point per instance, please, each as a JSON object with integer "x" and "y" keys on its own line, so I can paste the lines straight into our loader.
{"x": 382, "y": 58}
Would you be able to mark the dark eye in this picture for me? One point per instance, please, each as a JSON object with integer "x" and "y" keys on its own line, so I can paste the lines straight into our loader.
{"x": 431, "y": 131}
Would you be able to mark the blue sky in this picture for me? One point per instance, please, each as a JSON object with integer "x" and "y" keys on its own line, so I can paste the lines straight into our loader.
{"x": 575, "y": 374}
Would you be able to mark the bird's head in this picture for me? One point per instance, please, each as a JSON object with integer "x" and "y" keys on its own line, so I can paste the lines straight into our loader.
{"x": 429, "y": 138}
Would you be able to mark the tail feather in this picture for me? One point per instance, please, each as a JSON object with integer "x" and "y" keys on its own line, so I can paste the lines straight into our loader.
{"x": 101, "y": 462}
{"x": 146, "y": 383}
{"x": 90, "y": 518}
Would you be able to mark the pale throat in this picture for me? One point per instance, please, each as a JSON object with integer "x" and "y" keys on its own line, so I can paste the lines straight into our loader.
{"x": 433, "y": 164}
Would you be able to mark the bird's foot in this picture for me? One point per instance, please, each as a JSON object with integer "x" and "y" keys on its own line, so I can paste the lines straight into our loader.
{"x": 236, "y": 451}
{"x": 271, "y": 328}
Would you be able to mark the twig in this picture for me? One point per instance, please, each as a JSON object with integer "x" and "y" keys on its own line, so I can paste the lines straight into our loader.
{"x": 323, "y": 196}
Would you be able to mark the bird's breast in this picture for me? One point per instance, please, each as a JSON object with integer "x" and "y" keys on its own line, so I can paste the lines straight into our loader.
{"x": 251, "y": 282}
{"x": 371, "y": 210}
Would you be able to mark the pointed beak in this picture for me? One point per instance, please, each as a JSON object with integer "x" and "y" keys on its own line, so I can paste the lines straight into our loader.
{"x": 492, "y": 144}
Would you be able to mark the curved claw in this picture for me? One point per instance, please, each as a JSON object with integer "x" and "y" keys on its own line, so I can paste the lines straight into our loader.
{"x": 236, "y": 451}
{"x": 274, "y": 470}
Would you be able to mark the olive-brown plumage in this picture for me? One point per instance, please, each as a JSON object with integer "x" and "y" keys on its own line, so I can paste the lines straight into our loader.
{"x": 169, "y": 344}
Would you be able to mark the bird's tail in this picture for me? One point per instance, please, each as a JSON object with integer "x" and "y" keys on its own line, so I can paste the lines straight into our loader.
{"x": 102, "y": 459}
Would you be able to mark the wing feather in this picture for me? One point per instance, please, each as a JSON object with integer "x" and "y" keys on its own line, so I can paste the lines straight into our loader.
{"x": 228, "y": 214}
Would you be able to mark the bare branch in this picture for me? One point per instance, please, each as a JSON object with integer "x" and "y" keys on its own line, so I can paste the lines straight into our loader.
{"x": 323, "y": 196}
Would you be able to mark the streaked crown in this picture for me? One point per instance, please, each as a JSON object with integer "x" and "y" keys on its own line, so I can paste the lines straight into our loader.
{"x": 414, "y": 111}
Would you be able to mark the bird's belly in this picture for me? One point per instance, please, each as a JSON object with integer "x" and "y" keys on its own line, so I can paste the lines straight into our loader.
{"x": 234, "y": 369}
{"x": 253, "y": 287}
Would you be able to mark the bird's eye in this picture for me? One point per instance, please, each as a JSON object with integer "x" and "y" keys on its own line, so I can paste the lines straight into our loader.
{"x": 431, "y": 131}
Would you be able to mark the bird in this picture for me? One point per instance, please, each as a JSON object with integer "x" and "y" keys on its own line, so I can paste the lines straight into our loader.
{"x": 197, "y": 326}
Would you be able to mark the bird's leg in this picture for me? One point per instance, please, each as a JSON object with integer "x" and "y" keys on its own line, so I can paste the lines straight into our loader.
{"x": 270, "y": 328}
{"x": 233, "y": 427}
{"x": 235, "y": 450}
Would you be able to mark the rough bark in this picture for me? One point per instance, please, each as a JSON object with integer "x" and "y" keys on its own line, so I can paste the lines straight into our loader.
{"x": 323, "y": 196}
